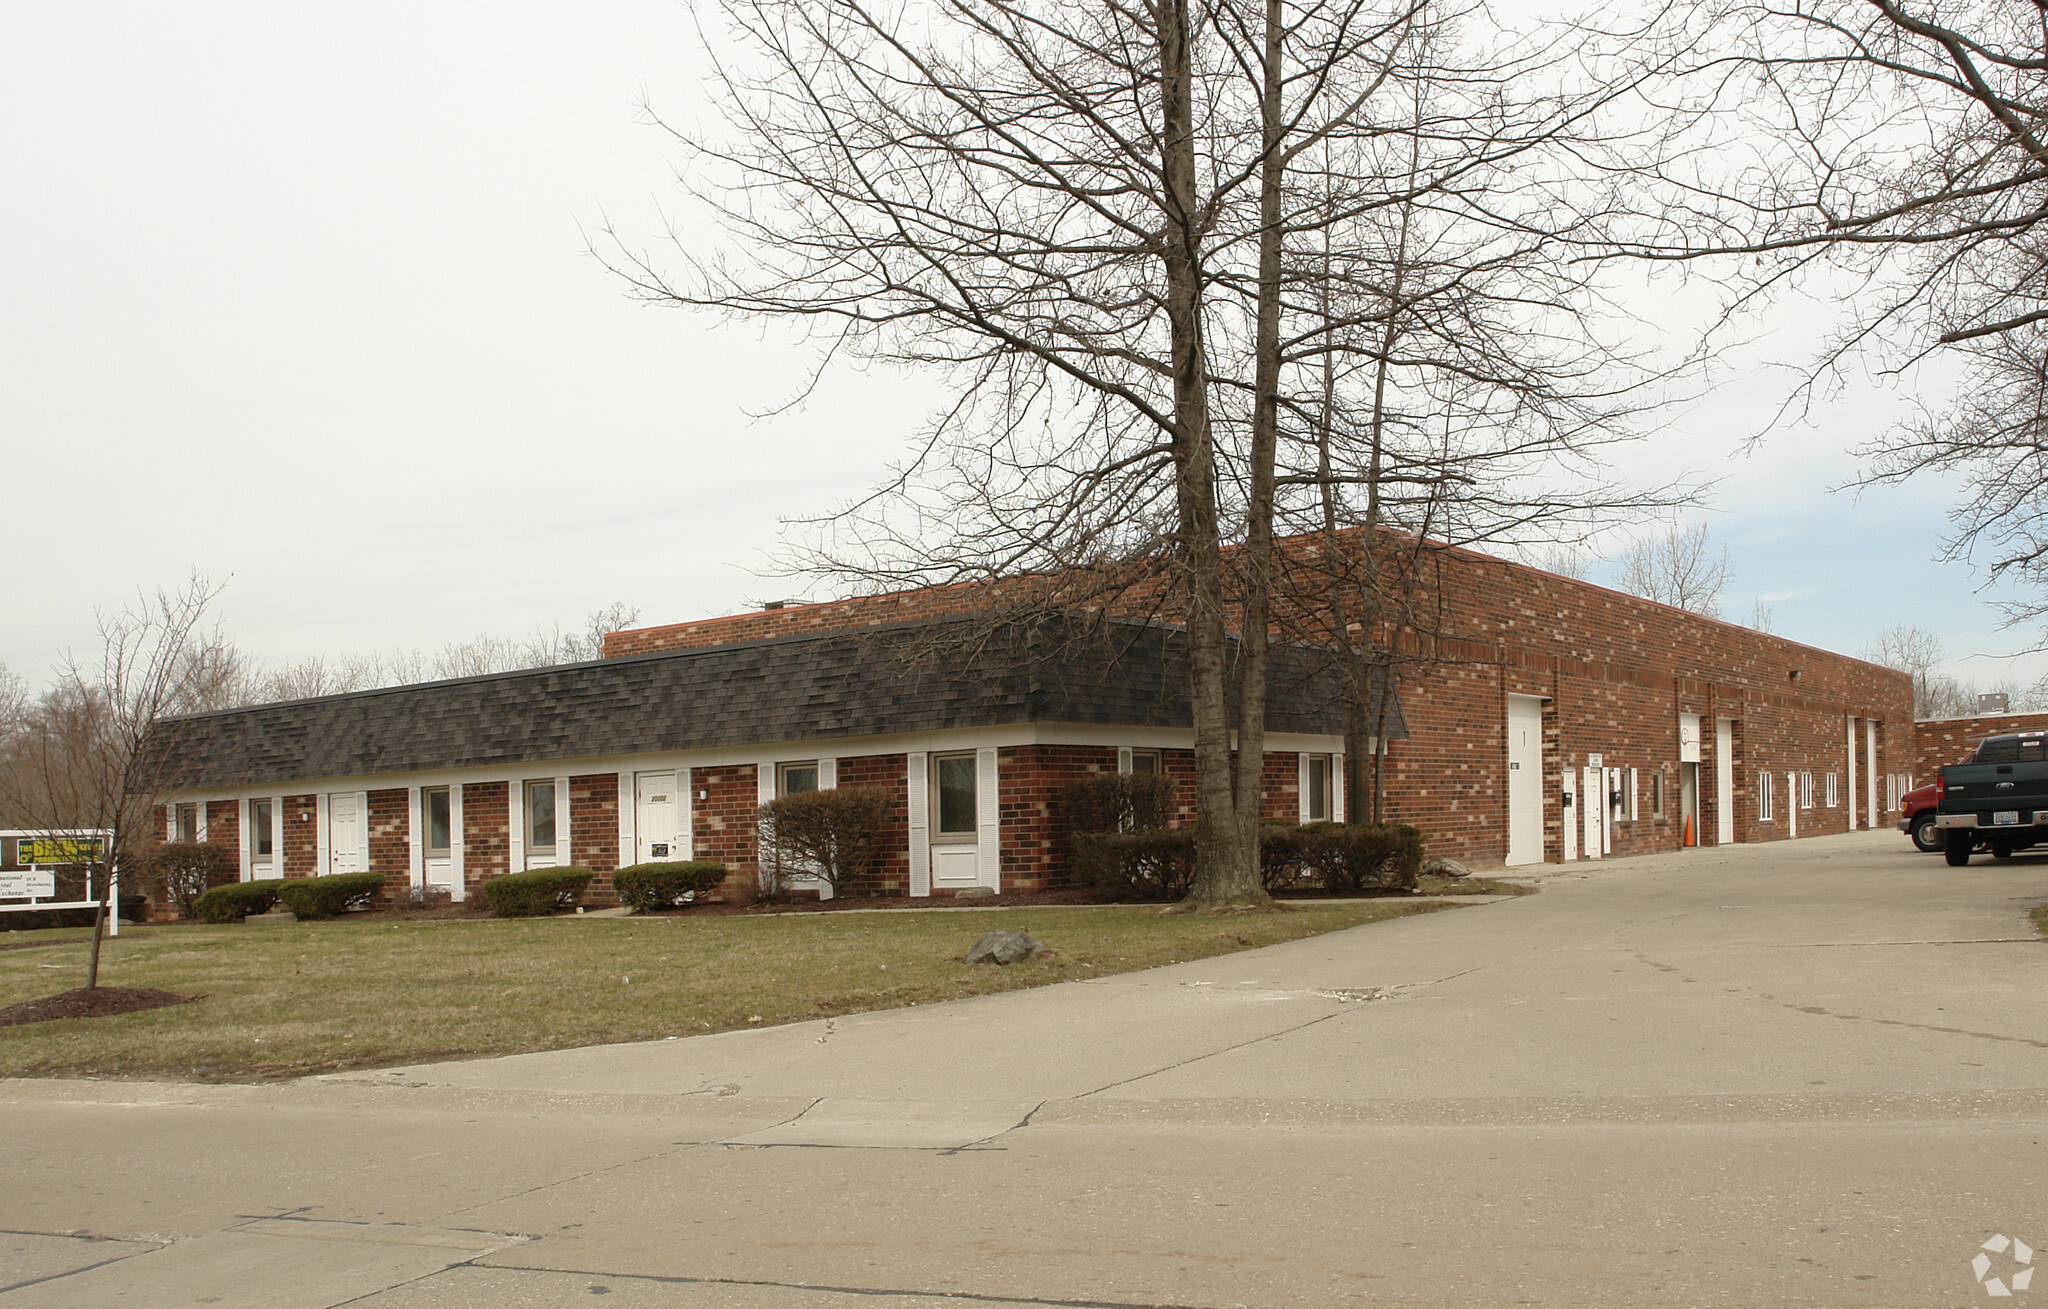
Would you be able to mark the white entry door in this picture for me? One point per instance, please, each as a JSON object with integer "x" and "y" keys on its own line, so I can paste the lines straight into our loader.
{"x": 1525, "y": 780}
{"x": 344, "y": 833}
{"x": 1569, "y": 827}
{"x": 1593, "y": 806}
{"x": 654, "y": 817}
{"x": 1724, "y": 781}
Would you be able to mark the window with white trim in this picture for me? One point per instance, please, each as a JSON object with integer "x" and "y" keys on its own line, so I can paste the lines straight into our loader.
{"x": 434, "y": 819}
{"x": 188, "y": 822}
{"x": 1833, "y": 791}
{"x": 954, "y": 798}
{"x": 1145, "y": 761}
{"x": 799, "y": 777}
{"x": 1657, "y": 794}
{"x": 540, "y": 818}
{"x": 1318, "y": 780}
{"x": 1764, "y": 791}
{"x": 259, "y": 830}
{"x": 1806, "y": 790}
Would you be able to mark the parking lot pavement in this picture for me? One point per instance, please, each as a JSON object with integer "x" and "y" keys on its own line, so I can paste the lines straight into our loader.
{"x": 1807, "y": 1073}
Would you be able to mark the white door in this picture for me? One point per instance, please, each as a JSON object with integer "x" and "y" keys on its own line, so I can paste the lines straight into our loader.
{"x": 1525, "y": 780}
{"x": 654, "y": 817}
{"x": 1724, "y": 781}
{"x": 1569, "y": 826}
{"x": 344, "y": 833}
{"x": 1593, "y": 804}
{"x": 956, "y": 814}
{"x": 437, "y": 838}
{"x": 1791, "y": 804}
{"x": 1610, "y": 808}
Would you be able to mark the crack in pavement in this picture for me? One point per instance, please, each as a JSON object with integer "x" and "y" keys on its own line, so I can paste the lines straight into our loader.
{"x": 1344, "y": 1007}
{"x": 151, "y": 1245}
{"x": 866, "y": 1292}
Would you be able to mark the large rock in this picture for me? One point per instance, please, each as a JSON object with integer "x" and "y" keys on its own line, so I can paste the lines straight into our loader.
{"x": 1004, "y": 948}
{"x": 1442, "y": 867}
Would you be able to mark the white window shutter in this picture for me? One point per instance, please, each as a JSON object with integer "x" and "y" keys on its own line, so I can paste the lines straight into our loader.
{"x": 457, "y": 885}
{"x": 320, "y": 836}
{"x": 415, "y": 850}
{"x": 685, "y": 842}
{"x": 1123, "y": 760}
{"x": 920, "y": 796}
{"x": 515, "y": 825}
{"x": 988, "y": 819}
{"x": 1337, "y": 811}
{"x": 244, "y": 863}
{"x": 1301, "y": 787}
{"x": 828, "y": 774}
{"x": 629, "y": 845}
{"x": 565, "y": 825}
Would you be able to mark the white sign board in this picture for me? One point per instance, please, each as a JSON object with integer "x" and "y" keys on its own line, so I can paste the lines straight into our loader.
{"x": 26, "y": 883}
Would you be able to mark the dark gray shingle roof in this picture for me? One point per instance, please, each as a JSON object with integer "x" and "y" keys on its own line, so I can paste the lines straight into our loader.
{"x": 905, "y": 678}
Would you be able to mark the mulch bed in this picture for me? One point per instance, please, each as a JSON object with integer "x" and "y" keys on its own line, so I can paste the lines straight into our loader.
{"x": 100, "y": 1002}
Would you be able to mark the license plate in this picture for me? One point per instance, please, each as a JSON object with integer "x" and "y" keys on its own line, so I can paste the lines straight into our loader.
{"x": 2006, "y": 818}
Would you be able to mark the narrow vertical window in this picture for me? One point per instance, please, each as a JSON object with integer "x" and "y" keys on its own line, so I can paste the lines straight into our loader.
{"x": 953, "y": 790}
{"x": 1763, "y": 797}
{"x": 1319, "y": 772}
{"x": 188, "y": 822}
{"x": 1657, "y": 794}
{"x": 1834, "y": 797}
{"x": 259, "y": 829}
{"x": 434, "y": 841}
{"x": 540, "y": 817}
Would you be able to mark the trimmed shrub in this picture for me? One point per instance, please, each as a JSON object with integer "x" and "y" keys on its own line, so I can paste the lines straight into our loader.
{"x": 1285, "y": 858}
{"x": 648, "y": 887}
{"x": 177, "y": 873}
{"x": 1350, "y": 857}
{"x": 537, "y": 892}
{"x": 236, "y": 901}
{"x": 1155, "y": 865}
{"x": 834, "y": 837}
{"x": 1113, "y": 802}
{"x": 324, "y": 897}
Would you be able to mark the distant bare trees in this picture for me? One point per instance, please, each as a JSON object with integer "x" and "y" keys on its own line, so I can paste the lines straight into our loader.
{"x": 1918, "y": 653}
{"x": 1678, "y": 567}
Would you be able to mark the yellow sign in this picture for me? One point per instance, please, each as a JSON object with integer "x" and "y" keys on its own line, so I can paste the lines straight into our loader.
{"x": 59, "y": 849}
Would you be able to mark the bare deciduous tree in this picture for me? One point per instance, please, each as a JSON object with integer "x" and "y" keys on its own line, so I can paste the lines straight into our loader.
{"x": 76, "y": 758}
{"x": 1678, "y": 567}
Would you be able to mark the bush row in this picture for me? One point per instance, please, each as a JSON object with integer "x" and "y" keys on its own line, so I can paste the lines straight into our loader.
{"x": 648, "y": 887}
{"x": 236, "y": 901}
{"x": 309, "y": 898}
{"x": 1342, "y": 858}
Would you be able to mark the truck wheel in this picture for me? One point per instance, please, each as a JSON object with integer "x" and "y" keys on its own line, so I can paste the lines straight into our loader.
{"x": 1926, "y": 836}
{"x": 1957, "y": 847}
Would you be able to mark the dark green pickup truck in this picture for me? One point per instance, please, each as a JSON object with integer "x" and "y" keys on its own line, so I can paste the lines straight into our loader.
{"x": 1997, "y": 801}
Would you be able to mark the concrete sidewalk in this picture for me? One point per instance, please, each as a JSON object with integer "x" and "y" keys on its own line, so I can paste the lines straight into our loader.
{"x": 1794, "y": 1074}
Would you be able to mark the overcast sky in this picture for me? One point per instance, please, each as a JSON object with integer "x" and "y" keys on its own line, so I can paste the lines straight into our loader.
{"x": 298, "y": 297}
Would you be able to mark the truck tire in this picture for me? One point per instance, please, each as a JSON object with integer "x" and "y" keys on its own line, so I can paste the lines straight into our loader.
{"x": 1957, "y": 846}
{"x": 1926, "y": 836}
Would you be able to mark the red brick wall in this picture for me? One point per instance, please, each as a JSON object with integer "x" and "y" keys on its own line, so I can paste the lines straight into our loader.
{"x": 1280, "y": 787}
{"x": 594, "y": 832}
{"x": 390, "y": 848}
{"x": 224, "y": 823}
{"x": 889, "y": 773}
{"x": 301, "y": 823}
{"x": 486, "y": 833}
{"x": 1941, "y": 741}
{"x": 1029, "y": 779}
{"x": 722, "y": 823}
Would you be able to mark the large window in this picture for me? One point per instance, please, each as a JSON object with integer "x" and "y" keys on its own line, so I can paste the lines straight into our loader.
{"x": 1318, "y": 780}
{"x": 540, "y": 817}
{"x": 796, "y": 778}
{"x": 434, "y": 841}
{"x": 259, "y": 829}
{"x": 953, "y": 797}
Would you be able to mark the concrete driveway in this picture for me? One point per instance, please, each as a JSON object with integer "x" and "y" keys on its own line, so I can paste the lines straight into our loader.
{"x": 1784, "y": 1075}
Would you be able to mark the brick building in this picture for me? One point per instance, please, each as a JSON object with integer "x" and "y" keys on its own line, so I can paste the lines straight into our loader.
{"x": 1538, "y": 719}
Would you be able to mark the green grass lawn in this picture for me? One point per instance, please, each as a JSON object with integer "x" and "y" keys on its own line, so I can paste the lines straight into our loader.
{"x": 286, "y": 1000}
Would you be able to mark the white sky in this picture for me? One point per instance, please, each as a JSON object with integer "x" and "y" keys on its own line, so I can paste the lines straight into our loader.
{"x": 299, "y": 298}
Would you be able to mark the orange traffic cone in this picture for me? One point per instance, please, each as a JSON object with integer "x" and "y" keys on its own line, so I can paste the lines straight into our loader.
{"x": 1688, "y": 829}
